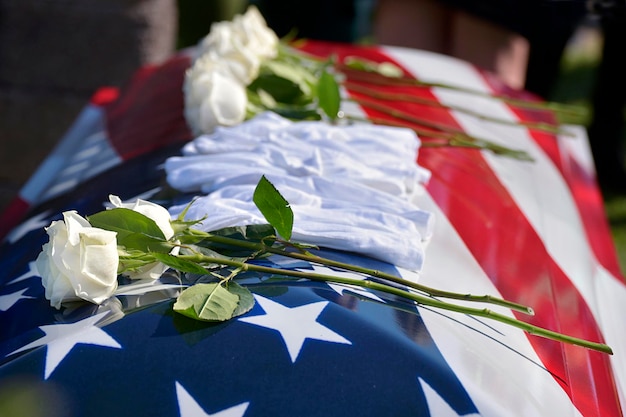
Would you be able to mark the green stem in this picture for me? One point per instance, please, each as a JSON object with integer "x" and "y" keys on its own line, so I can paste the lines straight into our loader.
{"x": 387, "y": 96}
{"x": 458, "y": 136}
{"x": 434, "y": 139}
{"x": 446, "y": 137}
{"x": 419, "y": 287}
{"x": 420, "y": 299}
{"x": 378, "y": 79}
{"x": 409, "y": 117}
{"x": 260, "y": 247}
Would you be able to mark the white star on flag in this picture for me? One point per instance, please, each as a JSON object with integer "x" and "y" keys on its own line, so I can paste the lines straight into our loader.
{"x": 7, "y": 301}
{"x": 189, "y": 407}
{"x": 61, "y": 338}
{"x": 437, "y": 405}
{"x": 295, "y": 324}
{"x": 32, "y": 272}
{"x": 35, "y": 222}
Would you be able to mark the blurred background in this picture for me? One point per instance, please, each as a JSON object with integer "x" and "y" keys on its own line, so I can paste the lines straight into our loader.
{"x": 54, "y": 54}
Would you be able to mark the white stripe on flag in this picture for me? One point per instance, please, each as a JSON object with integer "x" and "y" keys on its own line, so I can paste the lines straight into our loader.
{"x": 549, "y": 207}
{"x": 503, "y": 379}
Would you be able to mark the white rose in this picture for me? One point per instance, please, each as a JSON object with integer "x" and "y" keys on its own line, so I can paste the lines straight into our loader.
{"x": 258, "y": 36}
{"x": 162, "y": 218}
{"x": 79, "y": 261}
{"x": 212, "y": 97}
{"x": 245, "y": 34}
{"x": 238, "y": 60}
{"x": 157, "y": 213}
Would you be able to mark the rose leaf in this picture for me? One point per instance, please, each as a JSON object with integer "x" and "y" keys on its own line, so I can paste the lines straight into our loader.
{"x": 274, "y": 207}
{"x": 246, "y": 299}
{"x": 208, "y": 302}
{"x": 126, "y": 222}
{"x": 328, "y": 95}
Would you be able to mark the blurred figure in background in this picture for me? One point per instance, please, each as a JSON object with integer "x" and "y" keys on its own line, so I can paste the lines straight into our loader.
{"x": 519, "y": 40}
{"x": 432, "y": 25}
{"x": 522, "y": 41}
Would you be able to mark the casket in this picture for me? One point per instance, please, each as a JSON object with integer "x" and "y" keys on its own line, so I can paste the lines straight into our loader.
{"x": 531, "y": 230}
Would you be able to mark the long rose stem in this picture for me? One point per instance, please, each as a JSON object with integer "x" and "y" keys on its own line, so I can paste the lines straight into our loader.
{"x": 262, "y": 248}
{"x": 420, "y": 299}
{"x": 457, "y": 138}
{"x": 379, "y": 79}
{"x": 409, "y": 98}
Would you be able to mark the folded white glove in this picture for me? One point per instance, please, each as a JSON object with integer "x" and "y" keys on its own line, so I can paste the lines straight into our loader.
{"x": 349, "y": 187}
{"x": 378, "y": 156}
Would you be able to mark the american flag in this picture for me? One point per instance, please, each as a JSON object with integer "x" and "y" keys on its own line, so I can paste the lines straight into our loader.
{"x": 533, "y": 232}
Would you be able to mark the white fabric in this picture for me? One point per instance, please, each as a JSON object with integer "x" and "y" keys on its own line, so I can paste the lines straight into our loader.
{"x": 349, "y": 187}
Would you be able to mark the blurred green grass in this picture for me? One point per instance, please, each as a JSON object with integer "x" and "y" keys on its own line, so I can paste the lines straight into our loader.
{"x": 575, "y": 86}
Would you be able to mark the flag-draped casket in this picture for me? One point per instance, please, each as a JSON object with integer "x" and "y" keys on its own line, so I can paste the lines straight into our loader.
{"x": 531, "y": 231}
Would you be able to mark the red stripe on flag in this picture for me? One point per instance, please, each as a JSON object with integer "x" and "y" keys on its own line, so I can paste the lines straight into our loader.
{"x": 514, "y": 257}
{"x": 149, "y": 113}
{"x": 12, "y": 215}
{"x": 104, "y": 96}
{"x": 583, "y": 186}
{"x": 511, "y": 253}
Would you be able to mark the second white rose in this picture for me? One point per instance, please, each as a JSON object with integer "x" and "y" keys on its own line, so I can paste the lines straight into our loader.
{"x": 213, "y": 97}
{"x": 161, "y": 217}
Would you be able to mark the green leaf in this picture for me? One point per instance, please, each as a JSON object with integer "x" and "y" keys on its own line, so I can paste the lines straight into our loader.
{"x": 328, "y": 95}
{"x": 297, "y": 113}
{"x": 285, "y": 82}
{"x": 257, "y": 233}
{"x": 279, "y": 89}
{"x": 390, "y": 70}
{"x": 260, "y": 100}
{"x": 126, "y": 221}
{"x": 252, "y": 233}
{"x": 358, "y": 63}
{"x": 207, "y": 302}
{"x": 181, "y": 265}
{"x": 274, "y": 207}
{"x": 246, "y": 299}
{"x": 387, "y": 69}
{"x": 266, "y": 99}
{"x": 134, "y": 230}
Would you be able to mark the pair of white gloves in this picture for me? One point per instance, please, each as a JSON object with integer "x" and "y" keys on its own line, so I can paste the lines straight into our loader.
{"x": 350, "y": 187}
